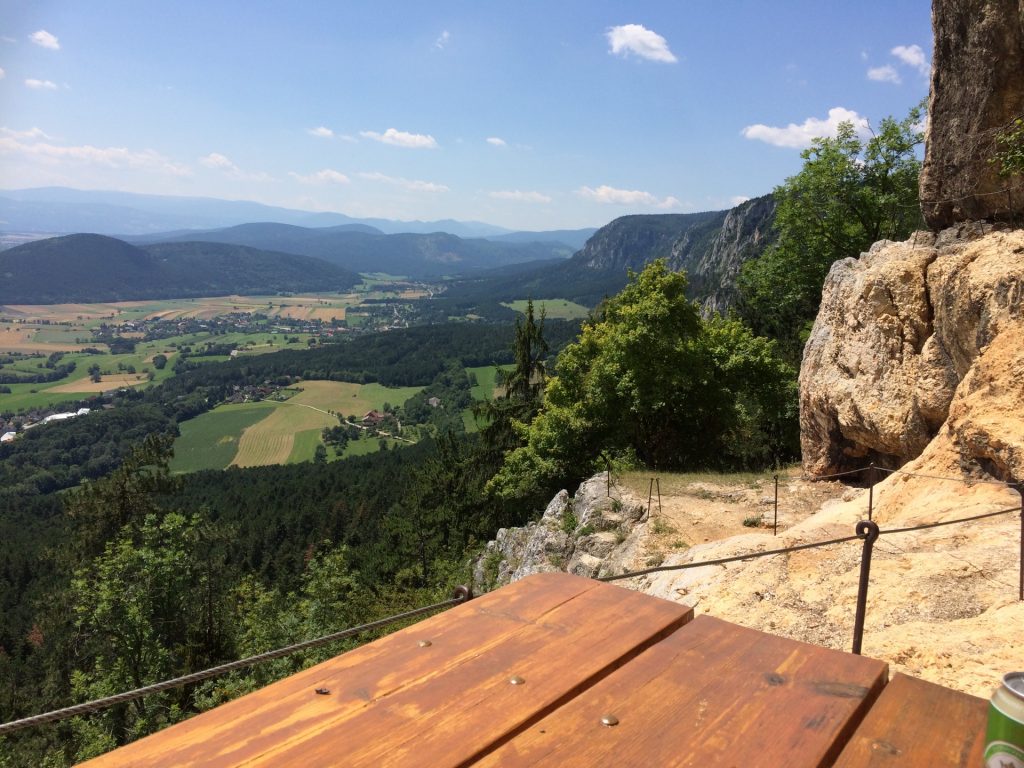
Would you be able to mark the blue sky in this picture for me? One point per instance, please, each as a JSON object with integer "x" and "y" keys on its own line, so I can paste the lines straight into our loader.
{"x": 529, "y": 115}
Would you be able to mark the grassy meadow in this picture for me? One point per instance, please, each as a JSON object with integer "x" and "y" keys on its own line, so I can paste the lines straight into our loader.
{"x": 556, "y": 309}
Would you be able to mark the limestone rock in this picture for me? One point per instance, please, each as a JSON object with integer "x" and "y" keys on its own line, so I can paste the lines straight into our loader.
{"x": 587, "y": 535}
{"x": 897, "y": 332}
{"x": 977, "y": 88}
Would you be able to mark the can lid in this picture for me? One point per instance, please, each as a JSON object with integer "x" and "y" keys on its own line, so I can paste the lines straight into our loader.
{"x": 1014, "y": 681}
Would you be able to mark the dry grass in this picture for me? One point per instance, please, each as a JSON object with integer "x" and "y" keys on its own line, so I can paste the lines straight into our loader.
{"x": 270, "y": 440}
{"x": 20, "y": 338}
{"x": 106, "y": 382}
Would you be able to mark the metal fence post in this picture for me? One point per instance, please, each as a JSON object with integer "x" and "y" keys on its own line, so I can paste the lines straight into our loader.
{"x": 1020, "y": 592}
{"x": 657, "y": 482}
{"x": 868, "y": 531}
{"x": 650, "y": 495}
{"x": 871, "y": 488}
{"x": 775, "y": 524}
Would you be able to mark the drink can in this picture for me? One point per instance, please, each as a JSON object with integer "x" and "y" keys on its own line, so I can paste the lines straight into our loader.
{"x": 1004, "y": 737}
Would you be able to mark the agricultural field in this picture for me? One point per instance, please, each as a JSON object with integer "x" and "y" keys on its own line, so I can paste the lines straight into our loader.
{"x": 210, "y": 440}
{"x": 556, "y": 309}
{"x": 486, "y": 387}
{"x": 41, "y": 330}
{"x": 262, "y": 433}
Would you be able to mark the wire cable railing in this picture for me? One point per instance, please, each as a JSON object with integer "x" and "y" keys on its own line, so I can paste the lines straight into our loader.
{"x": 867, "y": 531}
{"x": 461, "y": 595}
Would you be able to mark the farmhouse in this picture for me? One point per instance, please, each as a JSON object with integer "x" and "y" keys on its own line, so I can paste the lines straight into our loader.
{"x": 8, "y": 437}
{"x": 372, "y": 418}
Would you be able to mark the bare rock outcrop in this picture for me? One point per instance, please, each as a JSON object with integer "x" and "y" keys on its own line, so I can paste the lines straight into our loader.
{"x": 977, "y": 88}
{"x": 898, "y": 331}
{"x": 587, "y": 534}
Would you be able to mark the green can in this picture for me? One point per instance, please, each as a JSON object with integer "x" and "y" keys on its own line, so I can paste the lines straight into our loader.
{"x": 1004, "y": 737}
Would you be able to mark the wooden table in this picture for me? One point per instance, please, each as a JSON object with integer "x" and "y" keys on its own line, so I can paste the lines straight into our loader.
{"x": 524, "y": 676}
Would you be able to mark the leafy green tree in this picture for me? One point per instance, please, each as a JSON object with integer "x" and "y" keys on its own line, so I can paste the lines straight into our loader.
{"x": 152, "y": 606}
{"x": 1009, "y": 155}
{"x": 651, "y": 379}
{"x": 849, "y": 194}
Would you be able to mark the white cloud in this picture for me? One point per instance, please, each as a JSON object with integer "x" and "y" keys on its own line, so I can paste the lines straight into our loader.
{"x": 637, "y": 39}
{"x": 44, "y": 39}
{"x": 520, "y": 197}
{"x": 411, "y": 185}
{"x": 884, "y": 74}
{"x": 31, "y": 133}
{"x": 442, "y": 39}
{"x": 217, "y": 160}
{"x": 322, "y": 132}
{"x": 633, "y": 197}
{"x": 111, "y": 157}
{"x": 326, "y": 176}
{"x": 800, "y": 136}
{"x": 402, "y": 139}
{"x": 912, "y": 56}
{"x": 220, "y": 162}
{"x": 738, "y": 200}
{"x": 497, "y": 142}
{"x": 40, "y": 85}
{"x": 2, "y": 73}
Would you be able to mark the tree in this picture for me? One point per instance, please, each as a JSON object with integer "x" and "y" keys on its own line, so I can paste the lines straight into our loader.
{"x": 523, "y": 385}
{"x": 651, "y": 379}
{"x": 159, "y": 362}
{"x": 848, "y": 195}
{"x": 1009, "y": 155}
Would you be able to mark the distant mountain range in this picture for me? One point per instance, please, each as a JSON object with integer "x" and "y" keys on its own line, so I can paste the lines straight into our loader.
{"x": 91, "y": 268}
{"x": 60, "y": 210}
{"x": 324, "y": 251}
{"x": 362, "y": 249}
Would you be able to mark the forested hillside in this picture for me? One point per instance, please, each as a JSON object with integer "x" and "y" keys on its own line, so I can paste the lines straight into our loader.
{"x": 93, "y": 268}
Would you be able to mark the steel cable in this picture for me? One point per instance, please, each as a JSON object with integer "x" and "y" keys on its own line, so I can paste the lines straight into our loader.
{"x": 462, "y": 594}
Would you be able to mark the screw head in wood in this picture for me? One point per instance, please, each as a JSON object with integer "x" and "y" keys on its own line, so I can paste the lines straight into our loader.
{"x": 609, "y": 720}
{"x": 516, "y": 680}
{"x": 425, "y": 643}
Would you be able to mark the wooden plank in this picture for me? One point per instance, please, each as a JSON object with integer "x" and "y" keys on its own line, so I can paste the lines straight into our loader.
{"x": 393, "y": 701}
{"x": 916, "y": 723}
{"x": 713, "y": 693}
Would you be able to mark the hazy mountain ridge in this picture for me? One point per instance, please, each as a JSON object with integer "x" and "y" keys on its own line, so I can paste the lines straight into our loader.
{"x": 416, "y": 255}
{"x": 90, "y": 268}
{"x": 65, "y": 210}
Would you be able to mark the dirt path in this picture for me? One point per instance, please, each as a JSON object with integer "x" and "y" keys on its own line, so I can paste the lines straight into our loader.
{"x": 698, "y": 508}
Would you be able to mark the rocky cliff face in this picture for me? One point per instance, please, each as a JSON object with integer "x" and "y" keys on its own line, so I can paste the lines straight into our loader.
{"x": 629, "y": 242}
{"x": 977, "y": 88}
{"x": 711, "y": 247}
{"x": 714, "y": 264}
{"x": 589, "y": 534}
{"x": 898, "y": 331}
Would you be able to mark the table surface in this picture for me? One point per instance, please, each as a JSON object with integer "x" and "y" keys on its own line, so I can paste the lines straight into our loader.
{"x": 581, "y": 653}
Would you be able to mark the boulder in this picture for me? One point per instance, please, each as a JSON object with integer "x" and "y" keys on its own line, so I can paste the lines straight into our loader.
{"x": 897, "y": 332}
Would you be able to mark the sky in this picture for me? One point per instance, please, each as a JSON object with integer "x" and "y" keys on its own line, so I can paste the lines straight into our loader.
{"x": 534, "y": 114}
